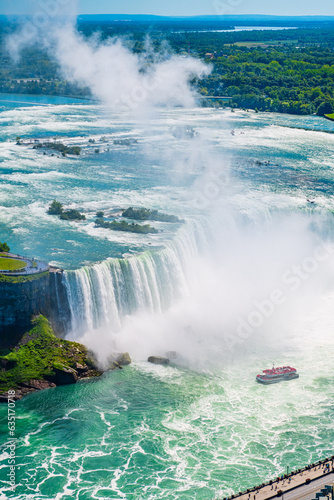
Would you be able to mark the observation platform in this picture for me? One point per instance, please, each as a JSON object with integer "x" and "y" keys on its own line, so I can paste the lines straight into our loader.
{"x": 10, "y": 265}
{"x": 303, "y": 484}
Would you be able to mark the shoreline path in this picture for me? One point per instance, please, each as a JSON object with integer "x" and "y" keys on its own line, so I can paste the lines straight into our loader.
{"x": 298, "y": 485}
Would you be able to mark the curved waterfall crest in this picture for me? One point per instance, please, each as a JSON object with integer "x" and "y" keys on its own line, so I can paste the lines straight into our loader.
{"x": 103, "y": 294}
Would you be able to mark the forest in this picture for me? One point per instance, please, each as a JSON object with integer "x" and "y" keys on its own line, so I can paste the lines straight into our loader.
{"x": 287, "y": 71}
{"x": 282, "y": 78}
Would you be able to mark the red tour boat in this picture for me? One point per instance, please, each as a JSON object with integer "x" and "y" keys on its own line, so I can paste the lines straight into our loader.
{"x": 277, "y": 375}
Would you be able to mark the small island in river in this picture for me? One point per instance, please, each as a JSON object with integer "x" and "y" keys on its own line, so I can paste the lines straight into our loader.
{"x": 147, "y": 214}
{"x": 125, "y": 226}
{"x": 56, "y": 208}
{"x": 60, "y": 147}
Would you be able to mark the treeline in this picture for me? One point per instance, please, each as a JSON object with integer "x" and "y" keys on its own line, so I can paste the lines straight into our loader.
{"x": 297, "y": 81}
{"x": 201, "y": 43}
{"x": 287, "y": 71}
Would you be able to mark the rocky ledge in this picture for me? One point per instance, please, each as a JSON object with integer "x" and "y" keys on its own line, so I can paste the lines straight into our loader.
{"x": 158, "y": 360}
{"x": 41, "y": 361}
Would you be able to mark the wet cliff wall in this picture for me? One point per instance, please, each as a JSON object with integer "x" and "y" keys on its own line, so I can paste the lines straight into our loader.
{"x": 23, "y": 298}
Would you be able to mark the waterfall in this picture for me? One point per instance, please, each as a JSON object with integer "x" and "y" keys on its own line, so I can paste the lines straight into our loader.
{"x": 101, "y": 295}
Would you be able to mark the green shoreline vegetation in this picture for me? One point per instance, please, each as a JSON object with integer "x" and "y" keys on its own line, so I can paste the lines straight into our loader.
{"x": 22, "y": 279}
{"x": 39, "y": 355}
{"x": 294, "y": 78}
{"x": 286, "y": 71}
{"x": 125, "y": 226}
{"x": 56, "y": 208}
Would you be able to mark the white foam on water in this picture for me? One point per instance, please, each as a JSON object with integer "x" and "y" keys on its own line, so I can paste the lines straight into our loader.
{"x": 215, "y": 421}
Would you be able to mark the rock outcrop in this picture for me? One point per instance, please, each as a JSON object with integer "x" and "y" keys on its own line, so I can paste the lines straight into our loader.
{"x": 41, "y": 361}
{"x": 51, "y": 360}
{"x": 65, "y": 376}
{"x": 158, "y": 360}
{"x": 26, "y": 388}
{"x": 23, "y": 297}
{"x": 117, "y": 360}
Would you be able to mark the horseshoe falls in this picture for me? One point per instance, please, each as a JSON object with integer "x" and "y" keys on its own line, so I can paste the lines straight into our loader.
{"x": 103, "y": 294}
{"x": 247, "y": 280}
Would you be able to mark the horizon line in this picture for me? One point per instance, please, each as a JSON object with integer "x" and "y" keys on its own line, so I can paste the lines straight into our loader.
{"x": 213, "y": 16}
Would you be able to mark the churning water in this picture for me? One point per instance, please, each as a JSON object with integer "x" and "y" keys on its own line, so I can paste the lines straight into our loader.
{"x": 246, "y": 280}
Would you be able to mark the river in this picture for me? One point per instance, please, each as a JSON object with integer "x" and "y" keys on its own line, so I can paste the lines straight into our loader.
{"x": 247, "y": 280}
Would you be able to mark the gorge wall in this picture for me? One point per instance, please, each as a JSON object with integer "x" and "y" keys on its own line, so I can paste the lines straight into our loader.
{"x": 21, "y": 300}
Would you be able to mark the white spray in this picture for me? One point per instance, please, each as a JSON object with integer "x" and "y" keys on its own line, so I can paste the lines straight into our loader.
{"x": 114, "y": 74}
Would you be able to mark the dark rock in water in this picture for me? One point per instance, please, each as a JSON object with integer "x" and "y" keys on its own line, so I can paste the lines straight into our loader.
{"x": 4, "y": 397}
{"x": 65, "y": 376}
{"x": 172, "y": 355}
{"x": 123, "y": 359}
{"x": 119, "y": 359}
{"x": 38, "y": 385}
{"x": 25, "y": 388}
{"x": 158, "y": 360}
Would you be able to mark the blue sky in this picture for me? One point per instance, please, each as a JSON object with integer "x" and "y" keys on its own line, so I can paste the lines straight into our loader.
{"x": 182, "y": 7}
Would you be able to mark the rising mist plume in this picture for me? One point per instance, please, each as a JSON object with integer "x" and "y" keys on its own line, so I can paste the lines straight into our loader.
{"x": 114, "y": 74}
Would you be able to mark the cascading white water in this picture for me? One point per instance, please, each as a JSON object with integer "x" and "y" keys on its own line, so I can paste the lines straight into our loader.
{"x": 196, "y": 294}
{"x": 103, "y": 294}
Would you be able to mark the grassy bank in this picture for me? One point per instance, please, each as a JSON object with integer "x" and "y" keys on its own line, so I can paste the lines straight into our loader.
{"x": 38, "y": 354}
{"x": 22, "y": 279}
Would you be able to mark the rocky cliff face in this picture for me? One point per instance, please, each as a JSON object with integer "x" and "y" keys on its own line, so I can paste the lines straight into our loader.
{"x": 21, "y": 300}
{"x": 41, "y": 361}
{"x": 59, "y": 312}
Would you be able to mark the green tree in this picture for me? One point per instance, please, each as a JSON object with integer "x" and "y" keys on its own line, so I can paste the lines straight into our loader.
{"x": 4, "y": 247}
{"x": 326, "y": 108}
{"x": 55, "y": 208}
{"x": 72, "y": 215}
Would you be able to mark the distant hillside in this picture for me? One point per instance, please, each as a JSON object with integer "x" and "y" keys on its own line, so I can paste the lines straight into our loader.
{"x": 215, "y": 20}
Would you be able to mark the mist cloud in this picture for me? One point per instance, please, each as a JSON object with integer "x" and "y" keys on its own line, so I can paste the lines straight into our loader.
{"x": 113, "y": 73}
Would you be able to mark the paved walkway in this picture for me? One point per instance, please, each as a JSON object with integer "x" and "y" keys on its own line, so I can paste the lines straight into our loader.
{"x": 33, "y": 266}
{"x": 317, "y": 474}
